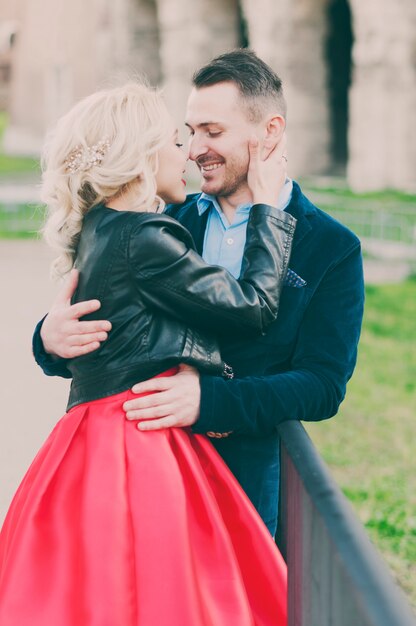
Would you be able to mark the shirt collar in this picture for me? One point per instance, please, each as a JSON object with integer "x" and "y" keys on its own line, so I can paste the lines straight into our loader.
{"x": 205, "y": 201}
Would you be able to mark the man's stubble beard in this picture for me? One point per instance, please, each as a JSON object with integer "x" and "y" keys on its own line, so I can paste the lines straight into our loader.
{"x": 235, "y": 178}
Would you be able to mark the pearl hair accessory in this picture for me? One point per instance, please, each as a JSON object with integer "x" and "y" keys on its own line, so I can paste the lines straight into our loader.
{"x": 82, "y": 159}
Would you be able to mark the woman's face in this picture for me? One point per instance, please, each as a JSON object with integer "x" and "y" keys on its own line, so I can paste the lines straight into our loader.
{"x": 170, "y": 180}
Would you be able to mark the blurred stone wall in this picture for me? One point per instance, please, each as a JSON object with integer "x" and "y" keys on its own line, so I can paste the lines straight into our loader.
{"x": 349, "y": 70}
{"x": 382, "y": 130}
{"x": 10, "y": 14}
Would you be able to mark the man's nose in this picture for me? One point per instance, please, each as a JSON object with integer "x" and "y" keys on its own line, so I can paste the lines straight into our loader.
{"x": 196, "y": 147}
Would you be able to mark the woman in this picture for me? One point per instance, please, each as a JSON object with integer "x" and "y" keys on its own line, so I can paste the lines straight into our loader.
{"x": 112, "y": 526}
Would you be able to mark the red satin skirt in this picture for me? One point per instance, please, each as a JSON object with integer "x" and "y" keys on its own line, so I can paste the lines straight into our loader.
{"x": 116, "y": 527}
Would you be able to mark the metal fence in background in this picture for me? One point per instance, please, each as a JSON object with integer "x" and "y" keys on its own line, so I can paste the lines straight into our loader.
{"x": 375, "y": 223}
{"x": 380, "y": 220}
{"x": 335, "y": 575}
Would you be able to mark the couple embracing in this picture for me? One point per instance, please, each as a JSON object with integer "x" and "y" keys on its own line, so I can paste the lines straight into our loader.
{"x": 222, "y": 314}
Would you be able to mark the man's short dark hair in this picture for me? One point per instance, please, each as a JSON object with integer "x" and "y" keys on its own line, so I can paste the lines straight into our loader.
{"x": 259, "y": 86}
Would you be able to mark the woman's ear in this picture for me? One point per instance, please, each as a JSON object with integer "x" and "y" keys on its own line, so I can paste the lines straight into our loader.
{"x": 274, "y": 129}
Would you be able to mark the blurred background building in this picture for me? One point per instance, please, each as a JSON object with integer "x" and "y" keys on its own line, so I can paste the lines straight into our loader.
{"x": 349, "y": 69}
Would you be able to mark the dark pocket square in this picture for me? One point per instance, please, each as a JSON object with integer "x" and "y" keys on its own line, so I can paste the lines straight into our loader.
{"x": 293, "y": 280}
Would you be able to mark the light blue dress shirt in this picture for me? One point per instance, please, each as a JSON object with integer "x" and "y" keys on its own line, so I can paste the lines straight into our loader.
{"x": 224, "y": 242}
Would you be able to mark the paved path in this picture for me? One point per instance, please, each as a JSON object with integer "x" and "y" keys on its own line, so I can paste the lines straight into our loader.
{"x": 31, "y": 402}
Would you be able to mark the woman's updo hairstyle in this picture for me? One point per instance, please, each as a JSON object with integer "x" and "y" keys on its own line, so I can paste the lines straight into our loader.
{"x": 103, "y": 146}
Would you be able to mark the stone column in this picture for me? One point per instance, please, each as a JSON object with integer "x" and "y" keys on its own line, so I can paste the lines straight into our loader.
{"x": 10, "y": 15}
{"x": 65, "y": 50}
{"x": 382, "y": 130}
{"x": 191, "y": 33}
{"x": 143, "y": 41}
{"x": 290, "y": 36}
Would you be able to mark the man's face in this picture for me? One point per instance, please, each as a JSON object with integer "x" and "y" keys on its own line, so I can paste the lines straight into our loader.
{"x": 219, "y": 134}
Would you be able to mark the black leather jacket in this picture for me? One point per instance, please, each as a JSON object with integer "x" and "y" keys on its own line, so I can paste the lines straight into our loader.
{"x": 166, "y": 305}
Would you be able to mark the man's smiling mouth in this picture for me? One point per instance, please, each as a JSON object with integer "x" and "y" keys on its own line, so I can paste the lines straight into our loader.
{"x": 210, "y": 167}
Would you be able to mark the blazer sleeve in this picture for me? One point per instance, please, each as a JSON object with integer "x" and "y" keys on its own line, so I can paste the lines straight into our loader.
{"x": 323, "y": 361}
{"x": 51, "y": 365}
{"x": 172, "y": 277}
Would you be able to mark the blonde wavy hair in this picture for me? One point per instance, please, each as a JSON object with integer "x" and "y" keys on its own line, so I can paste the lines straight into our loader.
{"x": 134, "y": 122}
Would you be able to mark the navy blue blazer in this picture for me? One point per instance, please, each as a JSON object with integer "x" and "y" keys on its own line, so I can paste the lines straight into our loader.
{"x": 298, "y": 370}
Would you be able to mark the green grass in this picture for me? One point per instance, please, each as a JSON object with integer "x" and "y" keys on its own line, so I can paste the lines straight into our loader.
{"x": 369, "y": 446}
{"x": 4, "y": 120}
{"x": 21, "y": 221}
{"x": 11, "y": 166}
{"x": 17, "y": 166}
{"x": 18, "y": 221}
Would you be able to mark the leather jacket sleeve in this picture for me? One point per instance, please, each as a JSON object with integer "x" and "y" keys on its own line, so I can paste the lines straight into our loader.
{"x": 172, "y": 277}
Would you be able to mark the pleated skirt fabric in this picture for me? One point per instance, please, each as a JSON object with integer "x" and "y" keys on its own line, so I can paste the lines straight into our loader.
{"x": 112, "y": 526}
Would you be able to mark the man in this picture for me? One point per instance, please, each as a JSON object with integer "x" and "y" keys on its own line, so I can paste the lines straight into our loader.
{"x": 299, "y": 369}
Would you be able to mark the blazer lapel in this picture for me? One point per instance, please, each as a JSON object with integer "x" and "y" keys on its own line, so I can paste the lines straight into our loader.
{"x": 196, "y": 224}
{"x": 300, "y": 207}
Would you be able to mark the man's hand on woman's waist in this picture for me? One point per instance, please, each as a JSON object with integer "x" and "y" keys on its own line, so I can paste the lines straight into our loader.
{"x": 172, "y": 401}
{"x": 62, "y": 332}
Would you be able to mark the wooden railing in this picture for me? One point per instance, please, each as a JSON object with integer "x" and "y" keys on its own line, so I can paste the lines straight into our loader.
{"x": 335, "y": 575}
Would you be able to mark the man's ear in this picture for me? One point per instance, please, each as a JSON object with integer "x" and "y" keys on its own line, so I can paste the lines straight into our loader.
{"x": 274, "y": 129}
